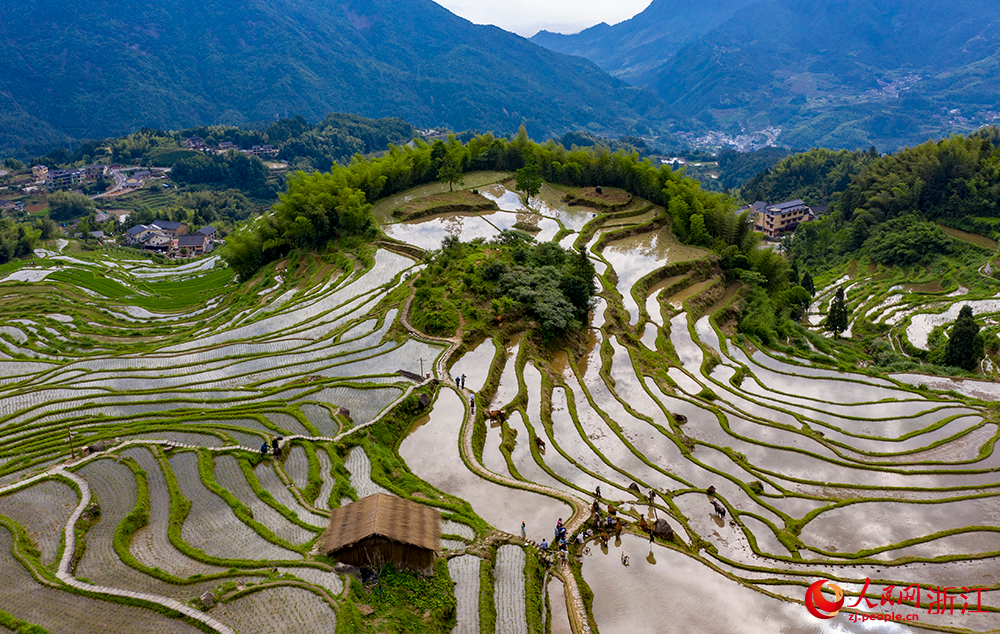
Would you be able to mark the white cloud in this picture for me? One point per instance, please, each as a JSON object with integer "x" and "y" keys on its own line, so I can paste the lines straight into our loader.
{"x": 527, "y": 17}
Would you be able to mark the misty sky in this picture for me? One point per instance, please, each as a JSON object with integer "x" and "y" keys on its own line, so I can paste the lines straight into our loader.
{"x": 527, "y": 17}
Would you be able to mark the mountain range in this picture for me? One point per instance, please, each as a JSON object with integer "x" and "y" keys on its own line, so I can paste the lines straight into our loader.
{"x": 102, "y": 68}
{"x": 835, "y": 73}
{"x": 637, "y": 49}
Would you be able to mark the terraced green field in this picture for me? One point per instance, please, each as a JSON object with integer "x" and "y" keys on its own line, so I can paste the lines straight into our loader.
{"x": 826, "y": 469}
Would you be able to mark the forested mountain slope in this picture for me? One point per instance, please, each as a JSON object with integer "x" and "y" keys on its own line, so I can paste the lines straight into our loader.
{"x": 636, "y": 49}
{"x": 103, "y": 68}
{"x": 830, "y": 73}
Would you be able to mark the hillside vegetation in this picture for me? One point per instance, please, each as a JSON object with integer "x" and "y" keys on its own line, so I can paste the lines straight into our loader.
{"x": 834, "y": 74}
{"x": 105, "y": 68}
{"x": 507, "y": 280}
{"x": 955, "y": 182}
{"x": 321, "y": 207}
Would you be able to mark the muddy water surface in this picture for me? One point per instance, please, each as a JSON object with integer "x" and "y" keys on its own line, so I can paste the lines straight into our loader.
{"x": 662, "y": 590}
{"x": 431, "y": 452}
{"x": 475, "y": 364}
{"x": 428, "y": 233}
{"x": 636, "y": 256}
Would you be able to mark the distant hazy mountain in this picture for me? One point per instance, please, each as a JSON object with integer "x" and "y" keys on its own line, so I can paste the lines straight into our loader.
{"x": 845, "y": 73}
{"x": 103, "y": 67}
{"x": 635, "y": 49}
{"x": 836, "y": 73}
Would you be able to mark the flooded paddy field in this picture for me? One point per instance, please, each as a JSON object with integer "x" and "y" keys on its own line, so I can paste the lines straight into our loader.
{"x": 824, "y": 471}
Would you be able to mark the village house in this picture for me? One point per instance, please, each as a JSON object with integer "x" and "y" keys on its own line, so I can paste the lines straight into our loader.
{"x": 10, "y": 206}
{"x": 63, "y": 178}
{"x": 159, "y": 242}
{"x": 262, "y": 151}
{"x": 209, "y": 232}
{"x": 383, "y": 529}
{"x": 94, "y": 171}
{"x": 135, "y": 235}
{"x": 39, "y": 172}
{"x": 193, "y": 245}
{"x": 132, "y": 183}
{"x": 194, "y": 143}
{"x": 227, "y": 145}
{"x": 776, "y": 220}
{"x": 170, "y": 227}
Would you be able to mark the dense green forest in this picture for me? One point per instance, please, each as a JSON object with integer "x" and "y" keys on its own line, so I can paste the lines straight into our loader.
{"x": 19, "y": 238}
{"x": 232, "y": 170}
{"x": 508, "y": 279}
{"x": 888, "y": 204}
{"x": 303, "y": 145}
{"x": 814, "y": 176}
{"x": 736, "y": 168}
{"x": 108, "y": 68}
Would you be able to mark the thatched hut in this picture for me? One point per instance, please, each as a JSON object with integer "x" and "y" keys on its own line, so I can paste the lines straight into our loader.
{"x": 383, "y": 529}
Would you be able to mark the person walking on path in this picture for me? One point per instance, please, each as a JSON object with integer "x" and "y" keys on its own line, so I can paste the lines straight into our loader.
{"x": 523, "y": 534}
{"x": 545, "y": 544}
{"x": 463, "y": 381}
{"x": 263, "y": 449}
{"x": 597, "y": 492}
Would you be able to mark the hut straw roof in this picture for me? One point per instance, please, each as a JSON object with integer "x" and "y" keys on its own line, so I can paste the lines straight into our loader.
{"x": 386, "y": 516}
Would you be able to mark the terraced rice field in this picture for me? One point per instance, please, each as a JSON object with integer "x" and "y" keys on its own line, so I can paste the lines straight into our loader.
{"x": 825, "y": 471}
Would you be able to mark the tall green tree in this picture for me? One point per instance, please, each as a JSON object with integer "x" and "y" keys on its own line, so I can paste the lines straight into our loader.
{"x": 451, "y": 170}
{"x": 65, "y": 206}
{"x": 807, "y": 283}
{"x": 529, "y": 181}
{"x": 837, "y": 317}
{"x": 965, "y": 344}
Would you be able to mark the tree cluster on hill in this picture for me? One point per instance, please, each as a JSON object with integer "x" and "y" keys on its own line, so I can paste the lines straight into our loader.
{"x": 884, "y": 205}
{"x": 322, "y": 206}
{"x": 966, "y": 344}
{"x": 582, "y": 138}
{"x": 318, "y": 146}
{"x": 508, "y": 279}
{"x": 65, "y": 206}
{"x": 816, "y": 176}
{"x": 231, "y": 170}
{"x": 20, "y": 238}
{"x": 736, "y": 168}
{"x": 198, "y": 209}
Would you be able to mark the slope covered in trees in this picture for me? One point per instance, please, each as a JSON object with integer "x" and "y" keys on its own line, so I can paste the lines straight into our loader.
{"x": 99, "y": 69}
{"x": 634, "y": 50}
{"x": 829, "y": 73}
{"x": 304, "y": 145}
{"x": 883, "y": 207}
{"x": 814, "y": 176}
{"x": 319, "y": 207}
{"x": 509, "y": 279}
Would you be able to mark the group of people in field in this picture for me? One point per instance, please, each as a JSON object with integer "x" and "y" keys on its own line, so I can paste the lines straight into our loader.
{"x": 275, "y": 447}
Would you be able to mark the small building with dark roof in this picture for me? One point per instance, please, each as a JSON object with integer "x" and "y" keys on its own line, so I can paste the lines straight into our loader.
{"x": 171, "y": 227}
{"x": 209, "y": 232}
{"x": 383, "y": 529}
{"x": 136, "y": 234}
{"x": 192, "y": 245}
